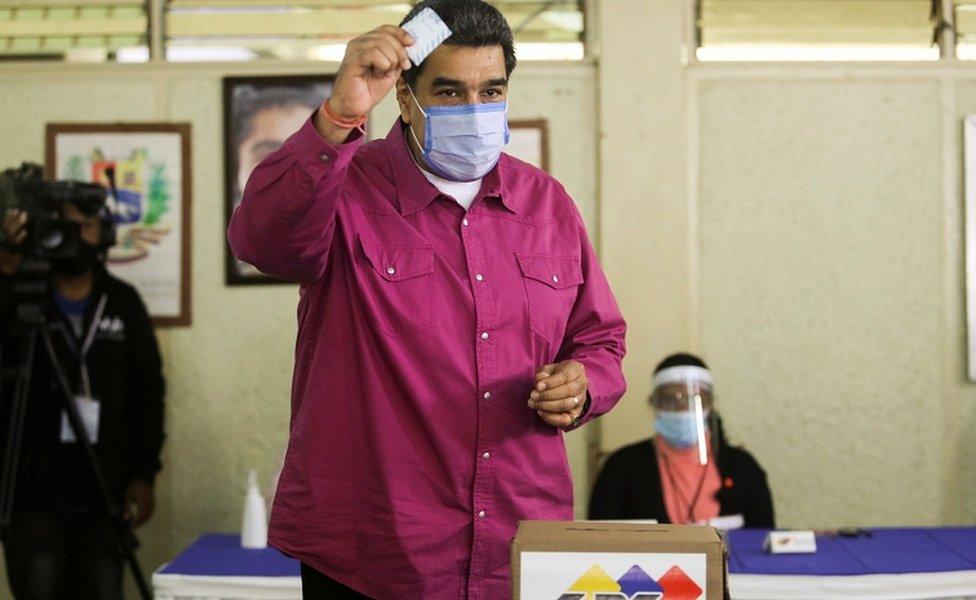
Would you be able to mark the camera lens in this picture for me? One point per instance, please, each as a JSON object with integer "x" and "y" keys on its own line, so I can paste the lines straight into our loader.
{"x": 55, "y": 238}
{"x": 51, "y": 239}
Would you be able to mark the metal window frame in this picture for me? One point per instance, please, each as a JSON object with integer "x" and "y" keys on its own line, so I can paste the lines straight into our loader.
{"x": 944, "y": 32}
{"x": 156, "y": 21}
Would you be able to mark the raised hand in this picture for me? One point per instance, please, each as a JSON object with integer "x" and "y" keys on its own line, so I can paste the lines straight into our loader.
{"x": 369, "y": 70}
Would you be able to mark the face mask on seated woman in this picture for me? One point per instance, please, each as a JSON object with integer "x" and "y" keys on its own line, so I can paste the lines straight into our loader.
{"x": 682, "y": 399}
{"x": 679, "y": 428}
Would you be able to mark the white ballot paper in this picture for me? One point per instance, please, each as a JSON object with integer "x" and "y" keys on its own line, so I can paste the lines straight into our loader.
{"x": 428, "y": 32}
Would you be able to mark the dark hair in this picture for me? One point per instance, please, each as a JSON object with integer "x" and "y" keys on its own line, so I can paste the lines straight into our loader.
{"x": 251, "y": 99}
{"x": 473, "y": 23}
{"x": 680, "y": 359}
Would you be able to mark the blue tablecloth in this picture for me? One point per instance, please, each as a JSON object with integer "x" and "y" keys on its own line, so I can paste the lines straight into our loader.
{"x": 221, "y": 555}
{"x": 884, "y": 552}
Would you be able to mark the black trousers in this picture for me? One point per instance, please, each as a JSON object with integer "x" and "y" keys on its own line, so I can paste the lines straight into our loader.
{"x": 51, "y": 556}
{"x": 317, "y": 586}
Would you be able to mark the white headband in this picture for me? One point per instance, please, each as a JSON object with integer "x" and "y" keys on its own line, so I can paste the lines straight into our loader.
{"x": 681, "y": 374}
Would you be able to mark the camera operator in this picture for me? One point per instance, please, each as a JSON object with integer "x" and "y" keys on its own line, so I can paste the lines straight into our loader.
{"x": 61, "y": 543}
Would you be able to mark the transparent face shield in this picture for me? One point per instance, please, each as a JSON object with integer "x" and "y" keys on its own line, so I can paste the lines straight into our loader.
{"x": 682, "y": 400}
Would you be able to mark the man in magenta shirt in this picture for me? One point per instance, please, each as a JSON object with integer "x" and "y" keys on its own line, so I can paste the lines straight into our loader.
{"x": 453, "y": 323}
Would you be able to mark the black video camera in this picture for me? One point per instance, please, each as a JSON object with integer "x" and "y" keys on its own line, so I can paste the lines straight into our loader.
{"x": 50, "y": 235}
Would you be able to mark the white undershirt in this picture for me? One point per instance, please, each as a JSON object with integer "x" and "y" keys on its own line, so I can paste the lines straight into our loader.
{"x": 463, "y": 192}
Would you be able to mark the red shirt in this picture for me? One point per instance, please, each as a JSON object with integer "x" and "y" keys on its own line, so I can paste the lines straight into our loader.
{"x": 413, "y": 453}
{"x": 690, "y": 489}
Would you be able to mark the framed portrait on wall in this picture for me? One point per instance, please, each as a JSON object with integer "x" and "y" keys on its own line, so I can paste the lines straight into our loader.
{"x": 529, "y": 141}
{"x": 259, "y": 115}
{"x": 150, "y": 204}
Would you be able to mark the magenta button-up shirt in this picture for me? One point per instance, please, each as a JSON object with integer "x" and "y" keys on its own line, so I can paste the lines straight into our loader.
{"x": 413, "y": 453}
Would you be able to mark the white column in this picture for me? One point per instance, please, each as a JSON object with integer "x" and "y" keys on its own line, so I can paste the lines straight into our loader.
{"x": 646, "y": 239}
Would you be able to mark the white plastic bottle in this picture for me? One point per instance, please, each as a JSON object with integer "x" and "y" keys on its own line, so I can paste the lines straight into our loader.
{"x": 254, "y": 528}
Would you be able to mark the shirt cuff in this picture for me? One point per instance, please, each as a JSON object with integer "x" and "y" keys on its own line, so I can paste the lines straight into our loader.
{"x": 606, "y": 387}
{"x": 318, "y": 157}
{"x": 581, "y": 419}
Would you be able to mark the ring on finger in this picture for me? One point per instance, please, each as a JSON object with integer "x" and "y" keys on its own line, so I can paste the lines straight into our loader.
{"x": 575, "y": 400}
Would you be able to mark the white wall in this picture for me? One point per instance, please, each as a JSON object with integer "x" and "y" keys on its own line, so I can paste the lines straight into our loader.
{"x": 801, "y": 226}
{"x": 822, "y": 306}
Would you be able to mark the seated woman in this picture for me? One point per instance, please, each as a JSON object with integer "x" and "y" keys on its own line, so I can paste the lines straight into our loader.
{"x": 687, "y": 473}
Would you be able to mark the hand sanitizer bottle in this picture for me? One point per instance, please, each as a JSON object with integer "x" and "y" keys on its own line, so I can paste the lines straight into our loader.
{"x": 254, "y": 528}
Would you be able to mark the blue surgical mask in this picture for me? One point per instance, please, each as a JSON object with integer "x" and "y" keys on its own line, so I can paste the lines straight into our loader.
{"x": 463, "y": 143}
{"x": 678, "y": 428}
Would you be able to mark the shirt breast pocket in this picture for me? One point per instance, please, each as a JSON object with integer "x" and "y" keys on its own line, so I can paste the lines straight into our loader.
{"x": 551, "y": 286}
{"x": 396, "y": 286}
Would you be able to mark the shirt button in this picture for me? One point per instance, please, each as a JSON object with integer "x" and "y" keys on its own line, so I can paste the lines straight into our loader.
{"x": 479, "y": 277}
{"x": 390, "y": 270}
{"x": 487, "y": 396}
{"x": 481, "y": 514}
{"x": 555, "y": 279}
{"x": 486, "y": 455}
{"x": 464, "y": 221}
{"x": 484, "y": 335}
{"x": 324, "y": 157}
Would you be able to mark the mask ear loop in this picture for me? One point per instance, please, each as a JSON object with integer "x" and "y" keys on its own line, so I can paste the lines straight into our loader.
{"x": 417, "y": 102}
{"x": 413, "y": 133}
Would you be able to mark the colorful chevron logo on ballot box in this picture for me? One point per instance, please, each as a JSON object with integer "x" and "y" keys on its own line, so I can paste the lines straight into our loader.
{"x": 612, "y": 576}
{"x": 611, "y": 560}
{"x": 635, "y": 584}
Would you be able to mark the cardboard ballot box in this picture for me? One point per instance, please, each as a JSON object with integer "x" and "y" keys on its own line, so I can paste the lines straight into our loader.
{"x": 593, "y": 560}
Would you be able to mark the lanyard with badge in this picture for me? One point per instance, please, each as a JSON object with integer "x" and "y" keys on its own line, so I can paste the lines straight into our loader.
{"x": 89, "y": 409}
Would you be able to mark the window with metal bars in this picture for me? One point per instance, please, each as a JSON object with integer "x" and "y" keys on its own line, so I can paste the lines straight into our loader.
{"x": 92, "y": 30}
{"x": 319, "y": 29}
{"x": 964, "y": 21}
{"x": 818, "y": 29}
{"x": 219, "y": 30}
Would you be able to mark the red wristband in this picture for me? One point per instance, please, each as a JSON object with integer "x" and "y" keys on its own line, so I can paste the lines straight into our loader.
{"x": 344, "y": 123}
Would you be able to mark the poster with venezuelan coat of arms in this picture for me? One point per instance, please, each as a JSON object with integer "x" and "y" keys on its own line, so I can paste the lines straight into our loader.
{"x": 150, "y": 204}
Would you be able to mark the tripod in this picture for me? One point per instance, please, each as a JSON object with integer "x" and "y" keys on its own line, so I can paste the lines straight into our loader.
{"x": 37, "y": 328}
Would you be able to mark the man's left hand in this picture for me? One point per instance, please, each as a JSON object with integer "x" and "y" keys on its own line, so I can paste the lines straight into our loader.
{"x": 560, "y": 392}
{"x": 138, "y": 503}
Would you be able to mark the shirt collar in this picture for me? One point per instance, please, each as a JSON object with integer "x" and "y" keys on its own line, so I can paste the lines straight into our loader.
{"x": 415, "y": 193}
